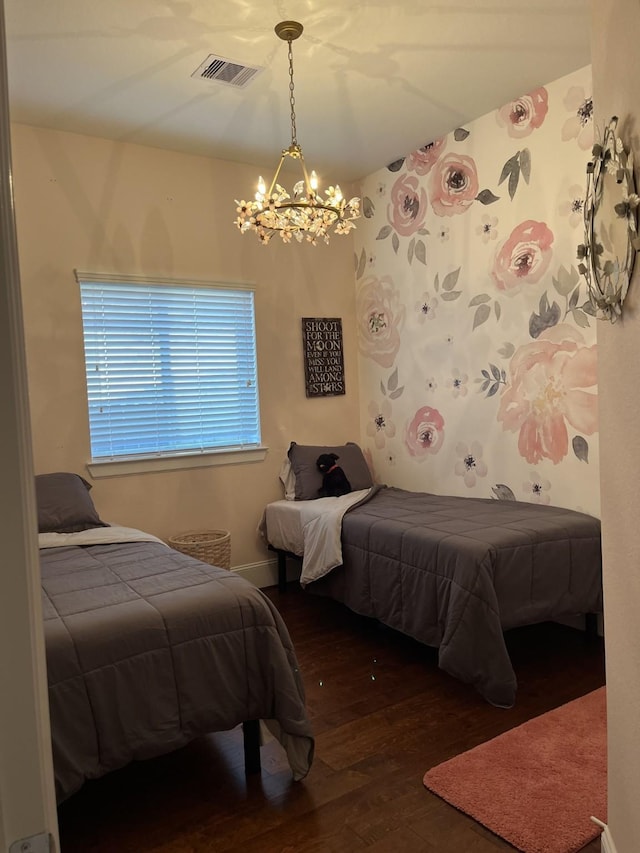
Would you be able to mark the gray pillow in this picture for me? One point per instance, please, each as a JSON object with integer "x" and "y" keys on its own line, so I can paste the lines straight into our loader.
{"x": 309, "y": 479}
{"x": 64, "y": 504}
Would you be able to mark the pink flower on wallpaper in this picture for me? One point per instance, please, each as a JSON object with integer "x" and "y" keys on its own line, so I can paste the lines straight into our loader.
{"x": 458, "y": 383}
{"x": 426, "y": 307}
{"x": 524, "y": 115}
{"x": 408, "y": 206}
{"x": 572, "y": 206}
{"x": 523, "y": 258}
{"x": 537, "y": 488}
{"x": 380, "y": 318}
{"x": 424, "y": 433}
{"x": 547, "y": 390}
{"x": 422, "y": 160}
{"x": 470, "y": 465}
{"x": 580, "y": 125}
{"x": 453, "y": 184}
{"x": 380, "y": 426}
{"x": 488, "y": 228}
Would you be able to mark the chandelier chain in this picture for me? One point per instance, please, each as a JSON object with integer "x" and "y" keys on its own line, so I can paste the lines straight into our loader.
{"x": 292, "y": 100}
{"x": 307, "y": 213}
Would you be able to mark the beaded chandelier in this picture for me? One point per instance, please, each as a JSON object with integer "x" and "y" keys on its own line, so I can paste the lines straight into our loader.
{"x": 304, "y": 214}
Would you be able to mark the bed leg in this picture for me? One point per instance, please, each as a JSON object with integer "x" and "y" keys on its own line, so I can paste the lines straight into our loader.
{"x": 591, "y": 626}
{"x": 282, "y": 571}
{"x": 251, "y": 732}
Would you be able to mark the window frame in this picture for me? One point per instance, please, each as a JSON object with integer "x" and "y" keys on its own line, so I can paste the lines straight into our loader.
{"x": 172, "y": 459}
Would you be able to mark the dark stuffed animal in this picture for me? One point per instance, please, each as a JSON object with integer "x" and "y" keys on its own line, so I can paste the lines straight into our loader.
{"x": 334, "y": 480}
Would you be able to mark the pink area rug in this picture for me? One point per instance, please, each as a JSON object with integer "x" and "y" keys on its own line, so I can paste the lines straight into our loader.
{"x": 537, "y": 785}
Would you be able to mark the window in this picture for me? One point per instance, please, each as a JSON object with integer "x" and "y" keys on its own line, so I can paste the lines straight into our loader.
{"x": 171, "y": 367}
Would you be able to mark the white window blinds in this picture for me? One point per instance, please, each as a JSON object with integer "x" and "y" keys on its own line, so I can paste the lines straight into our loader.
{"x": 170, "y": 368}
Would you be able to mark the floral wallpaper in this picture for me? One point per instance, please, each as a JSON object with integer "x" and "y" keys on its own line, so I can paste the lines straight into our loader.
{"x": 477, "y": 360}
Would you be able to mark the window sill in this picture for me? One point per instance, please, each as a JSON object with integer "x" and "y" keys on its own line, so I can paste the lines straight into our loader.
{"x": 122, "y": 467}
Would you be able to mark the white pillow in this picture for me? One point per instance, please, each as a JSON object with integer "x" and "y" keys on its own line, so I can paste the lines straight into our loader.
{"x": 288, "y": 480}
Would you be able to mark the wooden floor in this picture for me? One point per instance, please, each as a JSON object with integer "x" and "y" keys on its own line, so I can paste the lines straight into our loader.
{"x": 383, "y": 713}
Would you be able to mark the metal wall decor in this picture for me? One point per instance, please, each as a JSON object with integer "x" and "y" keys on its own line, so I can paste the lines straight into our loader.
{"x": 323, "y": 357}
{"x": 607, "y": 255}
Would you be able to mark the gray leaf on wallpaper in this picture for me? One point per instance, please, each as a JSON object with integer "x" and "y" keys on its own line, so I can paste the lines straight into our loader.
{"x": 392, "y": 382}
{"x": 460, "y": 134}
{"x": 423, "y": 232}
{"x": 507, "y": 350}
{"x": 566, "y": 280}
{"x": 486, "y": 197}
{"x": 483, "y": 312}
{"x": 395, "y": 242}
{"x": 573, "y": 301}
{"x": 384, "y": 232}
{"x": 451, "y": 296}
{"x": 479, "y": 299}
{"x": 396, "y": 165}
{"x": 581, "y": 448}
{"x": 421, "y": 252}
{"x": 580, "y": 318}
{"x": 510, "y": 166}
{"x": 514, "y": 178}
{"x": 491, "y": 386}
{"x": 450, "y": 280}
{"x": 549, "y": 316}
{"x": 495, "y": 371}
{"x": 383, "y": 389}
{"x": 519, "y": 164}
{"x": 395, "y": 394}
{"x": 538, "y": 324}
{"x": 502, "y": 492}
{"x": 361, "y": 264}
{"x": 411, "y": 248}
{"x": 497, "y": 309}
{"x": 368, "y": 207}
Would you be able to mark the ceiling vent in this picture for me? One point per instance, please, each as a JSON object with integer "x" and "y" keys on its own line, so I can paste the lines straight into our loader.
{"x": 220, "y": 70}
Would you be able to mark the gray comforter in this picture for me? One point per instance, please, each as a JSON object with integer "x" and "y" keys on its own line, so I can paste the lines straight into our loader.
{"x": 455, "y": 572}
{"x": 148, "y": 648}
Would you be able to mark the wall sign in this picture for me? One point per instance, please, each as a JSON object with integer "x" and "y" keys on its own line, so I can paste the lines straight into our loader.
{"x": 323, "y": 359}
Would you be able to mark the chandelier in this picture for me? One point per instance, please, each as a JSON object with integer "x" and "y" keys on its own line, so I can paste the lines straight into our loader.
{"x": 304, "y": 214}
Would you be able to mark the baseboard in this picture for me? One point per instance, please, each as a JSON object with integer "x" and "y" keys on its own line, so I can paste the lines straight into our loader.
{"x": 606, "y": 839}
{"x": 265, "y": 573}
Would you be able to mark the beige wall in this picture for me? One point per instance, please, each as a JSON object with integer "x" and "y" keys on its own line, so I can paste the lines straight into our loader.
{"x": 616, "y": 73}
{"x": 91, "y": 204}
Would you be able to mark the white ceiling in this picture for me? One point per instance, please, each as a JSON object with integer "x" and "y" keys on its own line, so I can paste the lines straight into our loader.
{"x": 374, "y": 79}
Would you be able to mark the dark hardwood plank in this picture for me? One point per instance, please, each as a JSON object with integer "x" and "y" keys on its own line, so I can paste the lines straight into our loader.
{"x": 383, "y": 713}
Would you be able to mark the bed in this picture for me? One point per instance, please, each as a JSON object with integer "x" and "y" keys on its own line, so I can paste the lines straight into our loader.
{"x": 451, "y": 572}
{"x": 148, "y": 648}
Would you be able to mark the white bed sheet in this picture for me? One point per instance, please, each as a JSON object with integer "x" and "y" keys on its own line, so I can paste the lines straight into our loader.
{"x": 96, "y": 536}
{"x": 311, "y": 530}
{"x": 283, "y": 526}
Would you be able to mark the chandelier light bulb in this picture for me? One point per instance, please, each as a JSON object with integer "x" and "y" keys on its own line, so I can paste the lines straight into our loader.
{"x": 304, "y": 214}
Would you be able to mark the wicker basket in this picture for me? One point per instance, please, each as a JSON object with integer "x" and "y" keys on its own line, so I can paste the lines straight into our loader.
{"x": 210, "y": 546}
